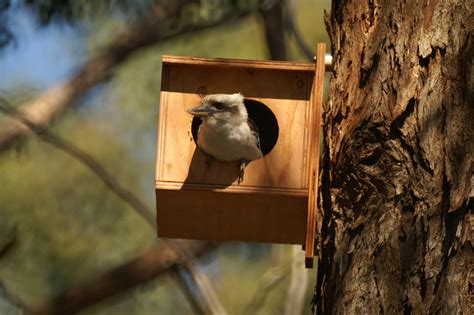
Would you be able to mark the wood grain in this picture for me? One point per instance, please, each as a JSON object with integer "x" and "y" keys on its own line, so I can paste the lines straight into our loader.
{"x": 239, "y": 63}
{"x": 249, "y": 217}
{"x": 179, "y": 161}
{"x": 316, "y": 103}
{"x": 200, "y": 202}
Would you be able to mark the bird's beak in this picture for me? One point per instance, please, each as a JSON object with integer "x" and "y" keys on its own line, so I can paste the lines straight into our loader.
{"x": 201, "y": 111}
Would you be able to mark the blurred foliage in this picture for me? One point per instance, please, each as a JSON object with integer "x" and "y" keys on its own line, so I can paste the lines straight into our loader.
{"x": 69, "y": 10}
{"x": 64, "y": 215}
{"x": 70, "y": 227}
{"x": 74, "y": 10}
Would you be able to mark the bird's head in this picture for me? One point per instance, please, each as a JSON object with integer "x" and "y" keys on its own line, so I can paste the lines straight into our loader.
{"x": 226, "y": 107}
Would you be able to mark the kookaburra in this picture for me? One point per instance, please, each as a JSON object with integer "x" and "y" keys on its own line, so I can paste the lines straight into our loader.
{"x": 227, "y": 133}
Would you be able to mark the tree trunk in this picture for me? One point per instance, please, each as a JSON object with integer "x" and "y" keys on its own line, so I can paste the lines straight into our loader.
{"x": 395, "y": 220}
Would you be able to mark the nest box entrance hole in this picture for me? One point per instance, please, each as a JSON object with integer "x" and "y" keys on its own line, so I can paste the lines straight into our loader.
{"x": 263, "y": 117}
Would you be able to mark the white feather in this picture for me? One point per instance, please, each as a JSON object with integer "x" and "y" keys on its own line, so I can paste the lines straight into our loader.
{"x": 227, "y": 136}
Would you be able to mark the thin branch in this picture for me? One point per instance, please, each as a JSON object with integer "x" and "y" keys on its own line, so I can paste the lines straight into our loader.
{"x": 95, "y": 167}
{"x": 203, "y": 285}
{"x": 39, "y": 113}
{"x": 206, "y": 292}
{"x": 298, "y": 284}
{"x": 187, "y": 290}
{"x": 42, "y": 110}
{"x": 190, "y": 277}
{"x": 146, "y": 32}
{"x": 272, "y": 13}
{"x": 269, "y": 281}
{"x": 5, "y": 293}
{"x": 7, "y": 244}
{"x": 13, "y": 299}
{"x": 206, "y": 299}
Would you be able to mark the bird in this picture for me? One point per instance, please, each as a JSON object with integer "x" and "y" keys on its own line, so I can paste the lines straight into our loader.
{"x": 226, "y": 132}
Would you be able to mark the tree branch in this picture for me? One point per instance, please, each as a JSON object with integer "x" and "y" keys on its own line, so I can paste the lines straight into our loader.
{"x": 205, "y": 301}
{"x": 210, "y": 300}
{"x": 292, "y": 28}
{"x": 12, "y": 298}
{"x": 270, "y": 280}
{"x": 39, "y": 113}
{"x": 148, "y": 31}
{"x": 272, "y": 13}
{"x": 87, "y": 160}
{"x": 5, "y": 247}
{"x": 298, "y": 284}
{"x": 147, "y": 266}
{"x": 206, "y": 292}
{"x": 8, "y": 243}
{"x": 188, "y": 292}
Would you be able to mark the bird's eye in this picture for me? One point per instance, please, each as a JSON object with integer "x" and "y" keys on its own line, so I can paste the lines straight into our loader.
{"x": 219, "y": 105}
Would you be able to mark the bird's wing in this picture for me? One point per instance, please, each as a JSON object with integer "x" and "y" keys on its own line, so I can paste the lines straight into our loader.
{"x": 254, "y": 130}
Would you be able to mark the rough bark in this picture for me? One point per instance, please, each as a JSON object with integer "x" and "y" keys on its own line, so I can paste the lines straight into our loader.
{"x": 396, "y": 218}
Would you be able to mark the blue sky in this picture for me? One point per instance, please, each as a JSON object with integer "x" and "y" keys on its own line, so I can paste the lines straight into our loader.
{"x": 40, "y": 56}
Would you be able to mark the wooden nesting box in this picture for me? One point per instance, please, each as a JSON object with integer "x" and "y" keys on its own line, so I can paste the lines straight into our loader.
{"x": 197, "y": 201}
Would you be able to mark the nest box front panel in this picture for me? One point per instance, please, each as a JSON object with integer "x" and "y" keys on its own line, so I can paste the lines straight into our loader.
{"x": 285, "y": 93}
{"x": 201, "y": 202}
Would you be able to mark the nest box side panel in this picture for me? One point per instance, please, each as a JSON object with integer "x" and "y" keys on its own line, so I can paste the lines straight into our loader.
{"x": 286, "y": 93}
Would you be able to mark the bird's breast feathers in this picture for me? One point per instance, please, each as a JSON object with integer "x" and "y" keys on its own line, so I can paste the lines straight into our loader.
{"x": 228, "y": 142}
